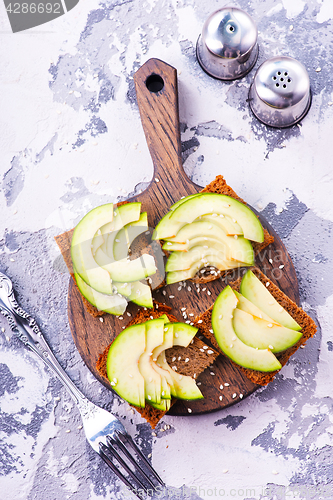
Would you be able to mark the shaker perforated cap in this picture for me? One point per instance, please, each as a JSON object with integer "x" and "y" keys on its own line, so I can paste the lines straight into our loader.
{"x": 280, "y": 92}
{"x": 227, "y": 47}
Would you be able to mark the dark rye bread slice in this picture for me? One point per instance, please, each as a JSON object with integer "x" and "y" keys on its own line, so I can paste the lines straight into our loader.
{"x": 308, "y": 327}
{"x": 199, "y": 358}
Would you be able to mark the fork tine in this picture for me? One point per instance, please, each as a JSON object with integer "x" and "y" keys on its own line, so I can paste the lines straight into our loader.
{"x": 121, "y": 436}
{"x": 104, "y": 449}
{"x": 114, "y": 468}
{"x": 123, "y": 448}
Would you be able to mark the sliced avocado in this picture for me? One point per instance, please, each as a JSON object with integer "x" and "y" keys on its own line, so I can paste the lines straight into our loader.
{"x": 242, "y": 354}
{"x": 126, "y": 271}
{"x": 81, "y": 248}
{"x": 246, "y": 305}
{"x": 164, "y": 405}
{"x": 166, "y": 229}
{"x": 112, "y": 304}
{"x": 176, "y": 276}
{"x": 193, "y": 242}
{"x": 154, "y": 338}
{"x": 212, "y": 203}
{"x": 181, "y": 261}
{"x": 122, "y": 364}
{"x": 127, "y": 235}
{"x": 141, "y": 294}
{"x": 182, "y": 200}
{"x": 252, "y": 288}
{"x": 167, "y": 381}
{"x": 183, "y": 333}
{"x": 237, "y": 248}
{"x": 262, "y": 334}
{"x": 123, "y": 215}
{"x": 184, "y": 387}
{"x": 229, "y": 225}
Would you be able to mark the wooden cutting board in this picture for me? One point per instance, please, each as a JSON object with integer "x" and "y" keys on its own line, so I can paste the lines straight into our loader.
{"x": 157, "y": 96}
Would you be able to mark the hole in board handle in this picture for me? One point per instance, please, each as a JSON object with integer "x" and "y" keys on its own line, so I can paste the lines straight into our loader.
{"x": 154, "y": 83}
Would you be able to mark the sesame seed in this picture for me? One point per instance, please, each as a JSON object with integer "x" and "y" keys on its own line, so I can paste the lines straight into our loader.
{"x": 220, "y": 317}
{"x": 156, "y": 179}
{"x": 198, "y": 383}
{"x": 192, "y": 341}
{"x": 187, "y": 360}
{"x": 235, "y": 236}
{"x": 274, "y": 472}
{"x": 149, "y": 397}
{"x": 200, "y": 321}
{"x": 220, "y": 398}
{"x": 209, "y": 293}
{"x": 270, "y": 261}
{"x": 189, "y": 288}
{"x": 154, "y": 434}
{"x": 130, "y": 375}
{"x": 226, "y": 384}
{"x": 129, "y": 314}
{"x": 202, "y": 350}
{"x": 164, "y": 292}
{"x": 121, "y": 318}
{"x": 179, "y": 288}
{"x": 101, "y": 320}
{"x": 183, "y": 309}
{"x": 191, "y": 314}
{"x": 241, "y": 396}
{"x": 271, "y": 347}
{"x": 212, "y": 373}
{"x": 302, "y": 346}
{"x": 2, "y": 329}
{"x": 225, "y": 471}
{"x": 282, "y": 266}
{"x": 174, "y": 359}
{"x": 68, "y": 431}
{"x": 270, "y": 325}
{"x": 234, "y": 395}
{"x": 179, "y": 358}
{"x": 80, "y": 427}
{"x": 267, "y": 284}
{"x": 205, "y": 347}
{"x": 317, "y": 70}
{"x": 194, "y": 375}
{"x": 176, "y": 335}
{"x": 162, "y": 430}
{"x": 211, "y": 331}
{"x": 12, "y": 260}
{"x": 149, "y": 455}
{"x": 189, "y": 410}
{"x": 171, "y": 296}
{"x": 231, "y": 346}
{"x": 174, "y": 368}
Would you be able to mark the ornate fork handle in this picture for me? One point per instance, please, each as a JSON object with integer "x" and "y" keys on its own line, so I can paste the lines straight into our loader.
{"x": 27, "y": 330}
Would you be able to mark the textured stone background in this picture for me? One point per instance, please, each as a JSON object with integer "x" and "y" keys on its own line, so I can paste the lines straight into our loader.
{"x": 71, "y": 139}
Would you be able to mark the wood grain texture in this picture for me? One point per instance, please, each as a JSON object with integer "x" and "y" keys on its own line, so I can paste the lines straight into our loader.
{"x": 159, "y": 116}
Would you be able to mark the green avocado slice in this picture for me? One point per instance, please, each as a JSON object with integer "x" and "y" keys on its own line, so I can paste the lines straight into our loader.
{"x": 242, "y": 354}
{"x": 113, "y": 304}
{"x": 212, "y": 203}
{"x": 81, "y": 248}
{"x": 262, "y": 334}
{"x": 236, "y": 247}
{"x": 122, "y": 364}
{"x": 154, "y": 338}
{"x": 252, "y": 288}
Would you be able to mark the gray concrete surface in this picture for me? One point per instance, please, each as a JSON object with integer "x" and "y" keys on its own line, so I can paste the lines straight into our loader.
{"x": 71, "y": 139}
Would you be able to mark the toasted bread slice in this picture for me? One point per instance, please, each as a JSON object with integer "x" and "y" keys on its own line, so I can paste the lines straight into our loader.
{"x": 199, "y": 358}
{"x": 308, "y": 327}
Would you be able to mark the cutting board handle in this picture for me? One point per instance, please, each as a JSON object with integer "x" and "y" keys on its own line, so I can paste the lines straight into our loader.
{"x": 157, "y": 97}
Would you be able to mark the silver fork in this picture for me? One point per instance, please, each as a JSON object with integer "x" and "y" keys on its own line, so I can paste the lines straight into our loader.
{"x": 105, "y": 433}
